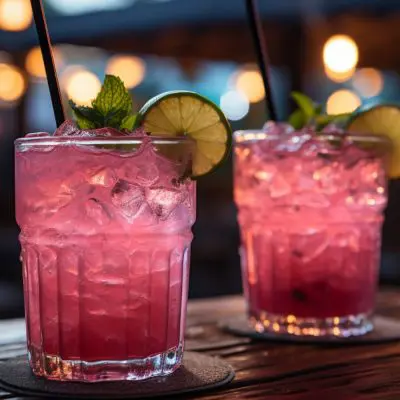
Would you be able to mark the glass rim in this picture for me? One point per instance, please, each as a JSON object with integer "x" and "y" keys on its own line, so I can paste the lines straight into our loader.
{"x": 258, "y": 134}
{"x": 87, "y": 141}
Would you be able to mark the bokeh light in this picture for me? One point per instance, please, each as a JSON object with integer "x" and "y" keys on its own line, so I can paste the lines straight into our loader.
{"x": 368, "y": 82}
{"x": 248, "y": 80}
{"x": 34, "y": 62}
{"x": 340, "y": 53}
{"x": 80, "y": 85}
{"x": 130, "y": 69}
{"x": 342, "y": 101}
{"x": 339, "y": 77}
{"x": 12, "y": 83}
{"x": 235, "y": 105}
{"x": 74, "y": 7}
{"x": 15, "y": 15}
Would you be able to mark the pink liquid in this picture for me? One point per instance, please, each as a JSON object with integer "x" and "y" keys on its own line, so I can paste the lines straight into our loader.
{"x": 310, "y": 217}
{"x": 105, "y": 241}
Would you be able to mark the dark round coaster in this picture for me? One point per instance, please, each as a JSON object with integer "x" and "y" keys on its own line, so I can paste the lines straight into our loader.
{"x": 385, "y": 330}
{"x": 199, "y": 372}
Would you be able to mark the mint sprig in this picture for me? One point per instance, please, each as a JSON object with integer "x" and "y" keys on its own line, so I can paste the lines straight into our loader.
{"x": 112, "y": 108}
{"x": 311, "y": 114}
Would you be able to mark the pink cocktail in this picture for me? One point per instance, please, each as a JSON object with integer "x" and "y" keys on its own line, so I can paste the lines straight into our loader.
{"x": 105, "y": 234}
{"x": 310, "y": 212}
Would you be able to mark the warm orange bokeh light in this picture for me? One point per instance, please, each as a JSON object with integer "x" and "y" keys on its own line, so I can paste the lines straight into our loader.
{"x": 12, "y": 83}
{"x": 15, "y": 15}
{"x": 368, "y": 82}
{"x": 342, "y": 101}
{"x": 339, "y": 77}
{"x": 249, "y": 81}
{"x": 130, "y": 69}
{"x": 34, "y": 62}
{"x": 340, "y": 53}
{"x": 80, "y": 85}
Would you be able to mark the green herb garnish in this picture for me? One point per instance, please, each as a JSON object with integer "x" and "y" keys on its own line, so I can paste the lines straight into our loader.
{"x": 311, "y": 114}
{"x": 111, "y": 108}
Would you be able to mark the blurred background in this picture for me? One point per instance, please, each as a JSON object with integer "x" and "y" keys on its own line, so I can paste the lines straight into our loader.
{"x": 342, "y": 53}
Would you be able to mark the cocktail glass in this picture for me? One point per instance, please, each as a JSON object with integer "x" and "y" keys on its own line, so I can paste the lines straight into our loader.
{"x": 310, "y": 212}
{"x": 105, "y": 235}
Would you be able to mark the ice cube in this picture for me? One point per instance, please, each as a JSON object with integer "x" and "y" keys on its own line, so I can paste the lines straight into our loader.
{"x": 308, "y": 245}
{"x": 147, "y": 175}
{"x": 316, "y": 148}
{"x": 329, "y": 178}
{"x": 102, "y": 177}
{"x": 265, "y": 172}
{"x": 94, "y": 133}
{"x": 128, "y": 198}
{"x": 353, "y": 155}
{"x": 97, "y": 211}
{"x": 348, "y": 238}
{"x": 163, "y": 201}
{"x": 332, "y": 129}
{"x": 311, "y": 199}
{"x": 373, "y": 174}
{"x": 39, "y": 147}
{"x": 139, "y": 133}
{"x": 67, "y": 128}
{"x": 293, "y": 142}
{"x": 108, "y": 132}
{"x": 279, "y": 187}
{"x": 37, "y": 134}
{"x": 277, "y": 128}
{"x": 50, "y": 198}
{"x": 305, "y": 182}
{"x": 363, "y": 200}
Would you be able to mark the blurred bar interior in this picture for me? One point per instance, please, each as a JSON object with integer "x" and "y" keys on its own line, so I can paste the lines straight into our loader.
{"x": 342, "y": 53}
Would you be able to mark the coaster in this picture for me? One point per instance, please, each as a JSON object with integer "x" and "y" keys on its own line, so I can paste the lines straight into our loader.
{"x": 199, "y": 372}
{"x": 385, "y": 330}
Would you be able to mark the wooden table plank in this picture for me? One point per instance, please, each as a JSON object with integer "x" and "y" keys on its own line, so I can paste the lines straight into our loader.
{"x": 269, "y": 370}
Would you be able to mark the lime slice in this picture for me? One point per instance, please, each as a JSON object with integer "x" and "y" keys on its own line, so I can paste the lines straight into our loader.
{"x": 383, "y": 120}
{"x": 181, "y": 113}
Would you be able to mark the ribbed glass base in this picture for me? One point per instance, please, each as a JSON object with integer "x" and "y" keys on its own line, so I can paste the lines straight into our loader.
{"x": 54, "y": 368}
{"x": 350, "y": 325}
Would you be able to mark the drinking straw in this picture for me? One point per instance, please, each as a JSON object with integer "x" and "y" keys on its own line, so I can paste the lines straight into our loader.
{"x": 48, "y": 59}
{"x": 262, "y": 54}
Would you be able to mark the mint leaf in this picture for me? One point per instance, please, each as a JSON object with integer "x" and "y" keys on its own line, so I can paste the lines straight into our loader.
{"x": 305, "y": 104}
{"x": 114, "y": 118}
{"x": 297, "y": 119}
{"x": 83, "y": 116}
{"x": 128, "y": 123}
{"x": 113, "y": 99}
{"x": 87, "y": 115}
{"x": 84, "y": 123}
{"x": 311, "y": 114}
{"x": 111, "y": 108}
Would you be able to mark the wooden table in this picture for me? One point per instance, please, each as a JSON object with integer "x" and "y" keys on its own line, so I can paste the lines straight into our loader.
{"x": 272, "y": 371}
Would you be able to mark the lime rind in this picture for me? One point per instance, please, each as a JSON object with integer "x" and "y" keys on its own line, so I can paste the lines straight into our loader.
{"x": 381, "y": 120}
{"x": 180, "y": 113}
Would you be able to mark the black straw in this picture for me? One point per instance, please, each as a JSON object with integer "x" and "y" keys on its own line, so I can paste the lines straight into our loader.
{"x": 48, "y": 59}
{"x": 262, "y": 55}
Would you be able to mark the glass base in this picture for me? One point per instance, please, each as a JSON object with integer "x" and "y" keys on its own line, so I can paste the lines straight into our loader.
{"x": 350, "y": 325}
{"x": 55, "y": 368}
